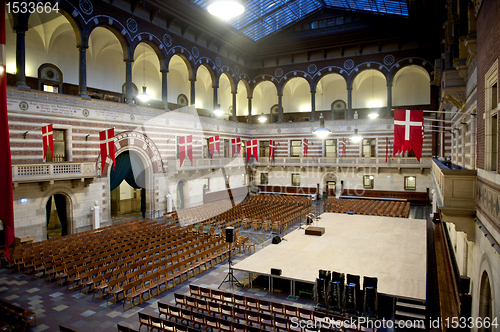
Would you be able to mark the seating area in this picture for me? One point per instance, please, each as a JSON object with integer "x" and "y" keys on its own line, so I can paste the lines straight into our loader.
{"x": 131, "y": 259}
{"x": 420, "y": 198}
{"x": 238, "y": 194}
{"x": 368, "y": 207}
{"x": 13, "y": 315}
{"x": 213, "y": 309}
{"x": 294, "y": 190}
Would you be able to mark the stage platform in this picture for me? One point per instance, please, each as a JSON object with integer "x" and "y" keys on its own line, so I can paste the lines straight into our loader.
{"x": 391, "y": 249}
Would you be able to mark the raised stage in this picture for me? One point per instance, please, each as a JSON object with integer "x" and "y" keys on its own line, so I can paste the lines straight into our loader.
{"x": 391, "y": 249}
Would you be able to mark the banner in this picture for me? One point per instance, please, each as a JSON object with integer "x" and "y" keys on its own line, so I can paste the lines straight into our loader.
{"x": 186, "y": 148}
{"x": 272, "y": 148}
{"x": 107, "y": 146}
{"x": 214, "y": 145}
{"x": 48, "y": 141}
{"x": 252, "y": 149}
{"x": 236, "y": 146}
{"x": 408, "y": 132}
{"x": 305, "y": 147}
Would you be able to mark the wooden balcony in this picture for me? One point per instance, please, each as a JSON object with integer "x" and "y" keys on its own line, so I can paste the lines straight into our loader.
{"x": 47, "y": 173}
{"x": 456, "y": 191}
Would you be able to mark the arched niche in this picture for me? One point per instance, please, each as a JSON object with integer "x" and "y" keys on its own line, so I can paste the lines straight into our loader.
{"x": 146, "y": 71}
{"x": 297, "y": 96}
{"x": 51, "y": 39}
{"x": 225, "y": 96}
{"x": 331, "y": 91}
{"x": 204, "y": 89}
{"x": 411, "y": 86}
{"x": 265, "y": 95}
{"x": 242, "y": 99}
{"x": 369, "y": 90}
{"x": 178, "y": 78}
{"x": 105, "y": 65}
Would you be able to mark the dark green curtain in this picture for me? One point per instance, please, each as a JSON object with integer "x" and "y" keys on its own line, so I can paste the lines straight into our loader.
{"x": 48, "y": 208}
{"x": 126, "y": 163}
{"x": 62, "y": 212}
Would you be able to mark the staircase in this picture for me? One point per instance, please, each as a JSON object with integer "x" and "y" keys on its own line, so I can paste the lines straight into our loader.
{"x": 410, "y": 312}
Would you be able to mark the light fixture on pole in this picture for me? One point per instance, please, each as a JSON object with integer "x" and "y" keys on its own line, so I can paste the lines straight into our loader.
{"x": 218, "y": 111}
{"x": 322, "y": 132}
{"x": 356, "y": 138}
{"x": 144, "y": 96}
{"x": 373, "y": 115}
{"x": 226, "y": 9}
{"x": 262, "y": 118}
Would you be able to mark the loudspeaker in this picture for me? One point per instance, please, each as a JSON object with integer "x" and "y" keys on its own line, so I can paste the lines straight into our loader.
{"x": 229, "y": 234}
{"x": 276, "y": 239}
{"x": 275, "y": 272}
{"x": 309, "y": 221}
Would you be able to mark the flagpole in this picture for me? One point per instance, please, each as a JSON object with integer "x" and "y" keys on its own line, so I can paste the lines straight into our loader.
{"x": 6, "y": 196}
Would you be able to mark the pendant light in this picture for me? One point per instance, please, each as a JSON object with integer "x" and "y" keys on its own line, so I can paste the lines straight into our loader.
{"x": 226, "y": 9}
{"x": 356, "y": 138}
{"x": 322, "y": 132}
{"x": 144, "y": 96}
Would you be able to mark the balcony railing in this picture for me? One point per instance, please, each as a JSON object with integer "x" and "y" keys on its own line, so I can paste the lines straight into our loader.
{"x": 52, "y": 171}
{"x": 206, "y": 163}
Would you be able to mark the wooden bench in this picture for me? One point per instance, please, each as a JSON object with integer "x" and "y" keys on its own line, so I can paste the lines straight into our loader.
{"x": 23, "y": 314}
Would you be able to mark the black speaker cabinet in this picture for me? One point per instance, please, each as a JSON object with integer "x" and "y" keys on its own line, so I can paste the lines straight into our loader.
{"x": 229, "y": 234}
{"x": 276, "y": 239}
{"x": 275, "y": 272}
{"x": 464, "y": 285}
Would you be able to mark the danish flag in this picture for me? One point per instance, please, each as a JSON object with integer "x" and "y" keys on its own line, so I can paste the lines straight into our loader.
{"x": 235, "y": 146}
{"x": 252, "y": 149}
{"x": 48, "y": 140}
{"x": 306, "y": 147}
{"x": 107, "y": 146}
{"x": 408, "y": 132}
{"x": 214, "y": 145}
{"x": 186, "y": 148}
{"x": 272, "y": 148}
{"x": 344, "y": 147}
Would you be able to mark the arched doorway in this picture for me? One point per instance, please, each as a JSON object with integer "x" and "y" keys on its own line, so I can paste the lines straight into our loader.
{"x": 56, "y": 210}
{"x": 128, "y": 185}
{"x": 180, "y": 194}
{"x": 485, "y": 300}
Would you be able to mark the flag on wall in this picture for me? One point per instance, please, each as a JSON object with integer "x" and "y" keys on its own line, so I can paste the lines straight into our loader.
{"x": 305, "y": 147}
{"x": 236, "y": 146}
{"x": 6, "y": 201}
{"x": 186, "y": 148}
{"x": 408, "y": 132}
{"x": 344, "y": 147}
{"x": 252, "y": 149}
{"x": 214, "y": 145}
{"x": 107, "y": 147}
{"x": 48, "y": 140}
{"x": 272, "y": 148}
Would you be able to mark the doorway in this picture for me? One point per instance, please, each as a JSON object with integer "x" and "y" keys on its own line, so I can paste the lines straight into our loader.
{"x": 180, "y": 195}
{"x": 331, "y": 189}
{"x": 56, "y": 211}
{"x": 485, "y": 300}
{"x": 128, "y": 186}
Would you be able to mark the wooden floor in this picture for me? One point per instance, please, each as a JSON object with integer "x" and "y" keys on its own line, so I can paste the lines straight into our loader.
{"x": 391, "y": 249}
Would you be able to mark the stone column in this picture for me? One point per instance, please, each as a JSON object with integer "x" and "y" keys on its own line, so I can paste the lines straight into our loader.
{"x": 164, "y": 89}
{"x": 389, "y": 101}
{"x": 193, "y": 91}
{"x": 234, "y": 107}
{"x": 280, "y": 108}
{"x": 21, "y": 58}
{"x": 216, "y": 98}
{"x": 82, "y": 87}
{"x": 313, "y": 106}
{"x": 349, "y": 103}
{"x": 128, "y": 82}
{"x": 249, "y": 109}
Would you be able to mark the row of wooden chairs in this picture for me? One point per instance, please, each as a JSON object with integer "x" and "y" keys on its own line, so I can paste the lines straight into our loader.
{"x": 17, "y": 313}
{"x": 368, "y": 207}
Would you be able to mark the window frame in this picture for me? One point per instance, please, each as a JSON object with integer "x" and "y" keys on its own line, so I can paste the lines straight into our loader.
{"x": 406, "y": 179}
{"x": 297, "y": 146}
{"x": 371, "y": 181}
{"x": 297, "y": 175}
{"x": 334, "y": 145}
{"x": 266, "y": 175}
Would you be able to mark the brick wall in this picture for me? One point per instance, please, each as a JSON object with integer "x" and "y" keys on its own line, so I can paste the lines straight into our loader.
{"x": 488, "y": 51}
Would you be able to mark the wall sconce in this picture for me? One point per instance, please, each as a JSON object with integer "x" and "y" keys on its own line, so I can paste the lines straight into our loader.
{"x": 466, "y": 125}
{"x": 24, "y": 134}
{"x": 87, "y": 137}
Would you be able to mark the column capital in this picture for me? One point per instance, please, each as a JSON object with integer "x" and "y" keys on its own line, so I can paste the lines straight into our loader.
{"x": 164, "y": 71}
{"x": 82, "y": 47}
{"x": 128, "y": 61}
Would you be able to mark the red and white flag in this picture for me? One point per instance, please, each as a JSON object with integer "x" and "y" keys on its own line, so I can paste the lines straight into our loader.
{"x": 6, "y": 201}
{"x": 408, "y": 132}
{"x": 107, "y": 145}
{"x": 252, "y": 149}
{"x": 272, "y": 148}
{"x": 305, "y": 147}
{"x": 235, "y": 146}
{"x": 48, "y": 140}
{"x": 344, "y": 147}
{"x": 214, "y": 145}
{"x": 186, "y": 148}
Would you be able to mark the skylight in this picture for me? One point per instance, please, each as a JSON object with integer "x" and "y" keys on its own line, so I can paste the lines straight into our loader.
{"x": 265, "y": 17}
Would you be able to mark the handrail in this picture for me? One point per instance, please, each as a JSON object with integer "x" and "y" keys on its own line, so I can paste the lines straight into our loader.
{"x": 52, "y": 171}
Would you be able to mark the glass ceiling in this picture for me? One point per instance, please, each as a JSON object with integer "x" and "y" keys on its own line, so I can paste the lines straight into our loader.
{"x": 264, "y": 17}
